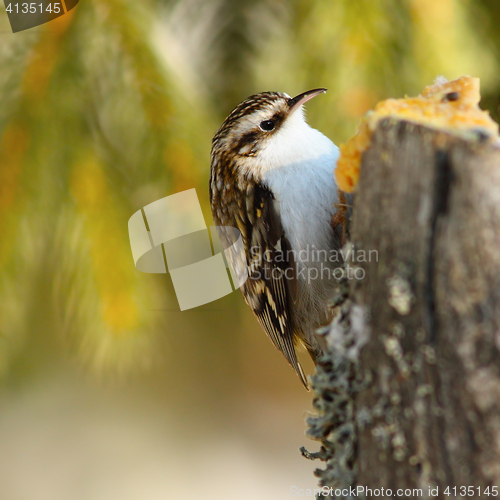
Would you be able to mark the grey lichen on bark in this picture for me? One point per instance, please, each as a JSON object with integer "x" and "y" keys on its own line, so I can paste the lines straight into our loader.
{"x": 424, "y": 393}
{"x": 336, "y": 381}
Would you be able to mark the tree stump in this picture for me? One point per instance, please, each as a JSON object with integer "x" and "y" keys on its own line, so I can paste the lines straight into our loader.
{"x": 427, "y": 416}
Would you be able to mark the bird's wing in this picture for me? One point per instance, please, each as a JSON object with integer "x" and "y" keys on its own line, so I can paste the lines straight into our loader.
{"x": 271, "y": 287}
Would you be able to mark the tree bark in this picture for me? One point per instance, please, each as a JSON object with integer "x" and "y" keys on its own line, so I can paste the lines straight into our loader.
{"x": 428, "y": 416}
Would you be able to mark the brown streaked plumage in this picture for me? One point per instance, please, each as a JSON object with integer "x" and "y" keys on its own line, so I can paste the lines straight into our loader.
{"x": 272, "y": 179}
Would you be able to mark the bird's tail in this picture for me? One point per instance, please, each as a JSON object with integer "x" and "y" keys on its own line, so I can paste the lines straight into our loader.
{"x": 300, "y": 372}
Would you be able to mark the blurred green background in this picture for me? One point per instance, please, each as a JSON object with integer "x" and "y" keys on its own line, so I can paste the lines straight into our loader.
{"x": 107, "y": 390}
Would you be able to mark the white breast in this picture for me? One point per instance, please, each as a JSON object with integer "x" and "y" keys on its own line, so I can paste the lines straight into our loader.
{"x": 298, "y": 167}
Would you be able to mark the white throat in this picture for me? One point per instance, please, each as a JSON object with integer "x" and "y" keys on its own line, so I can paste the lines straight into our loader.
{"x": 295, "y": 143}
{"x": 298, "y": 165}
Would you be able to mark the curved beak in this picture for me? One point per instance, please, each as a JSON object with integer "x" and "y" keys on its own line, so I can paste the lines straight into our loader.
{"x": 296, "y": 102}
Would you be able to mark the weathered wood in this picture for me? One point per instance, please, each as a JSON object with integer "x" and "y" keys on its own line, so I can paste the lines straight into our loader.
{"x": 429, "y": 204}
{"x": 420, "y": 407}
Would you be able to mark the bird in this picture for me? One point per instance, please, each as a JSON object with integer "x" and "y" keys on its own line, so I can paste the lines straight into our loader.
{"x": 272, "y": 178}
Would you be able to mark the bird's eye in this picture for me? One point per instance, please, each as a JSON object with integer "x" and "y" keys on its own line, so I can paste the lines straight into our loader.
{"x": 267, "y": 125}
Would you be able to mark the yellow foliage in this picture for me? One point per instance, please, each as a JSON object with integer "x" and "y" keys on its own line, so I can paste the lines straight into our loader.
{"x": 44, "y": 56}
{"x": 111, "y": 262}
{"x": 13, "y": 145}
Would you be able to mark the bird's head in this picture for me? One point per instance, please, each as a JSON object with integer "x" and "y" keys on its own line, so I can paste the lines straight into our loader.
{"x": 263, "y": 125}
